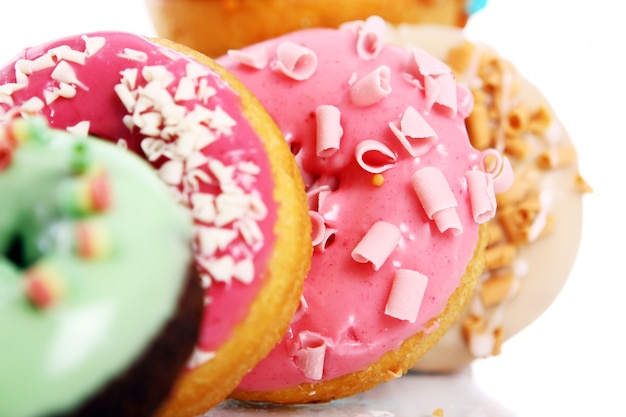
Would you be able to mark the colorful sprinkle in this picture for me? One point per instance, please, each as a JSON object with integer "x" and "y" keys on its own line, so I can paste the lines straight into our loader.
{"x": 81, "y": 157}
{"x": 92, "y": 240}
{"x": 43, "y": 285}
{"x": 378, "y": 180}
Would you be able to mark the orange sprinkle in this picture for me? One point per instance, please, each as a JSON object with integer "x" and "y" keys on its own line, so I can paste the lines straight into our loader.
{"x": 378, "y": 180}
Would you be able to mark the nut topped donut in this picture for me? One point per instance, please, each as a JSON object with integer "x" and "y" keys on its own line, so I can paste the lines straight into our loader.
{"x": 535, "y": 236}
{"x": 94, "y": 294}
{"x": 222, "y": 157}
{"x": 397, "y": 196}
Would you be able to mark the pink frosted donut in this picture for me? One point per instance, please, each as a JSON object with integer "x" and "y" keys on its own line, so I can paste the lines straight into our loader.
{"x": 396, "y": 193}
{"x": 221, "y": 156}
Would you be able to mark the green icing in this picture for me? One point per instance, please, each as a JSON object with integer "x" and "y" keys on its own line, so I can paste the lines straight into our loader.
{"x": 111, "y": 307}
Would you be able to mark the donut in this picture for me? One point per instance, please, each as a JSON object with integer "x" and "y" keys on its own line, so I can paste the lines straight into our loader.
{"x": 394, "y": 190}
{"x": 215, "y": 26}
{"x": 535, "y": 236}
{"x": 100, "y": 305}
{"x": 222, "y": 157}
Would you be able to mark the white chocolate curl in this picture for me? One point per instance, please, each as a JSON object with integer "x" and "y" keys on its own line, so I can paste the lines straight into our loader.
{"x": 437, "y": 199}
{"x": 407, "y": 293}
{"x": 371, "y": 38}
{"x": 377, "y": 244}
{"x": 372, "y": 88}
{"x": 329, "y": 130}
{"x": 414, "y": 133}
{"x": 374, "y": 156}
{"x": 295, "y": 61}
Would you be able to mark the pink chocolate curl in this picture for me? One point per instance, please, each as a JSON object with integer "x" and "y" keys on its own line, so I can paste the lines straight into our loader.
{"x": 374, "y": 156}
{"x": 295, "y": 61}
{"x": 377, "y": 244}
{"x": 423, "y": 64}
{"x": 407, "y": 292}
{"x": 310, "y": 358}
{"x": 482, "y": 195}
{"x": 501, "y": 171}
{"x": 437, "y": 199}
{"x": 257, "y": 59}
{"x": 447, "y": 99}
{"x": 372, "y": 88}
{"x": 318, "y": 227}
{"x": 371, "y": 38}
{"x": 329, "y": 130}
{"x": 6, "y": 155}
{"x": 413, "y": 132}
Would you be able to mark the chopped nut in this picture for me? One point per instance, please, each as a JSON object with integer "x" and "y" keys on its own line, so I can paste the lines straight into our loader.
{"x": 496, "y": 289}
{"x": 557, "y": 157}
{"x": 500, "y": 256}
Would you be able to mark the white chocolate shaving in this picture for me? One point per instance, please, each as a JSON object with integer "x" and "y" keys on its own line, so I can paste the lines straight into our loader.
{"x": 133, "y": 55}
{"x": 171, "y": 172}
{"x": 93, "y": 45}
{"x": 80, "y": 129}
{"x": 210, "y": 239}
{"x": 64, "y": 73}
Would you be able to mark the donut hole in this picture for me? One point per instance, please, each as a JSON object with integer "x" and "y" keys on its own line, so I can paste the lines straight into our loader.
{"x": 16, "y": 253}
{"x": 295, "y": 147}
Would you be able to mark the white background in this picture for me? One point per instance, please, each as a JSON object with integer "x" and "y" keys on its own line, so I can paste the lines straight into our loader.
{"x": 571, "y": 361}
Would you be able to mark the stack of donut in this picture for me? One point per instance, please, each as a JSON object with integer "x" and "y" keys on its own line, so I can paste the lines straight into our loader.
{"x": 325, "y": 154}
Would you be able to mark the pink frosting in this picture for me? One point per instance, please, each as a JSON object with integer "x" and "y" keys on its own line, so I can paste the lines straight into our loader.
{"x": 184, "y": 119}
{"x": 359, "y": 304}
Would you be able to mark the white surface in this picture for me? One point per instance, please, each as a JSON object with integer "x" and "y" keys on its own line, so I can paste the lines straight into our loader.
{"x": 571, "y": 361}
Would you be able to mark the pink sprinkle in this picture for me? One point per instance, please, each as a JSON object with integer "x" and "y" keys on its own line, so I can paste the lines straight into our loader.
{"x": 295, "y": 61}
{"x": 377, "y": 244}
{"x": 329, "y": 130}
{"x": 372, "y": 88}
{"x": 406, "y": 295}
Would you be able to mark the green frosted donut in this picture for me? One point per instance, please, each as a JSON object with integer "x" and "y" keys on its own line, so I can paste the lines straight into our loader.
{"x": 93, "y": 256}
